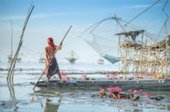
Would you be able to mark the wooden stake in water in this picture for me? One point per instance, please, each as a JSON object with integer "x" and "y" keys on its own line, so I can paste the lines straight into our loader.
{"x": 52, "y": 57}
{"x": 13, "y": 61}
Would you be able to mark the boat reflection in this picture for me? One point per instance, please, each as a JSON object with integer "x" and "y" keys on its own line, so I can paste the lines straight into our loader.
{"x": 51, "y": 103}
{"x": 51, "y": 106}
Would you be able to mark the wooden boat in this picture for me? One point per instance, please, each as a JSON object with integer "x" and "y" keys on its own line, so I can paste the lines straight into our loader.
{"x": 153, "y": 85}
{"x": 72, "y": 57}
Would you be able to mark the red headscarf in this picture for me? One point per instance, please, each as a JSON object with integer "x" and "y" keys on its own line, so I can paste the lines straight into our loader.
{"x": 51, "y": 39}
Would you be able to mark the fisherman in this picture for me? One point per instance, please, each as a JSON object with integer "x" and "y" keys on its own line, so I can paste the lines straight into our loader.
{"x": 50, "y": 60}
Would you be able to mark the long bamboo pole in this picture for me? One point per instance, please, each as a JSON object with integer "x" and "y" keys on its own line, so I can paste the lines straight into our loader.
{"x": 12, "y": 65}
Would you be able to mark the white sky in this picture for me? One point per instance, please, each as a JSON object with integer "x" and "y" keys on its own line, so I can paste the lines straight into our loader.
{"x": 52, "y": 18}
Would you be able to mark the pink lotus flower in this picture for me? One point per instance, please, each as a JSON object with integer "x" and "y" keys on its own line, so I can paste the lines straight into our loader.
{"x": 152, "y": 73}
{"x": 63, "y": 74}
{"x": 116, "y": 75}
{"x": 135, "y": 91}
{"x": 84, "y": 76}
{"x": 132, "y": 77}
{"x": 121, "y": 77}
{"x": 107, "y": 75}
{"x": 101, "y": 89}
{"x": 113, "y": 89}
{"x": 140, "y": 75}
{"x": 129, "y": 90}
{"x": 118, "y": 89}
{"x": 119, "y": 96}
{"x": 109, "y": 89}
{"x": 140, "y": 91}
{"x": 113, "y": 75}
{"x": 148, "y": 95}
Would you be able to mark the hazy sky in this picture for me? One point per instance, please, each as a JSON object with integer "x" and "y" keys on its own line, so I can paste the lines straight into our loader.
{"x": 51, "y": 18}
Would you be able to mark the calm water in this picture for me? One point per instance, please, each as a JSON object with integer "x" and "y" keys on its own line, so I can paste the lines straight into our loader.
{"x": 21, "y": 97}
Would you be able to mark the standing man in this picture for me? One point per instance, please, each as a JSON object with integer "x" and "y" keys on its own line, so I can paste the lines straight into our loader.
{"x": 51, "y": 61}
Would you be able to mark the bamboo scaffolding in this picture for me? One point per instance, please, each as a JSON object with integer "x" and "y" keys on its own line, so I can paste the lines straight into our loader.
{"x": 143, "y": 58}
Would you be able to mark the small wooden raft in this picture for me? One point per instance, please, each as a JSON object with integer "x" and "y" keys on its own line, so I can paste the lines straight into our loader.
{"x": 153, "y": 85}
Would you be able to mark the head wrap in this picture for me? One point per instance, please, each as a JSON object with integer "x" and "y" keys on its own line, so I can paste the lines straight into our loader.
{"x": 51, "y": 39}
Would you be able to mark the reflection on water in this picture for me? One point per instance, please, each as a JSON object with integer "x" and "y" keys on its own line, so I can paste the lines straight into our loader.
{"x": 50, "y": 106}
{"x": 49, "y": 100}
{"x": 167, "y": 107}
{"x": 58, "y": 101}
{"x": 10, "y": 86}
{"x": 21, "y": 98}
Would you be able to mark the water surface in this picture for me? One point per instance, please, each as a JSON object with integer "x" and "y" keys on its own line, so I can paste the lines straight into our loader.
{"x": 21, "y": 97}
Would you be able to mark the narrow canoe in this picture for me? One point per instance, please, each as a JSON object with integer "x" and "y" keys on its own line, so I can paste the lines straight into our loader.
{"x": 153, "y": 85}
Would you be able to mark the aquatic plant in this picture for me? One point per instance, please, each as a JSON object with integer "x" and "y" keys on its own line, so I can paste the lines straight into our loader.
{"x": 84, "y": 76}
{"x": 114, "y": 92}
{"x": 140, "y": 91}
{"x": 101, "y": 89}
{"x": 119, "y": 96}
{"x": 120, "y": 77}
{"x": 64, "y": 76}
{"x": 131, "y": 77}
{"x": 148, "y": 95}
{"x": 102, "y": 93}
{"x": 118, "y": 89}
{"x": 135, "y": 91}
{"x": 131, "y": 95}
{"x": 107, "y": 75}
{"x": 136, "y": 98}
{"x": 157, "y": 76}
{"x": 130, "y": 90}
{"x": 109, "y": 89}
{"x": 140, "y": 75}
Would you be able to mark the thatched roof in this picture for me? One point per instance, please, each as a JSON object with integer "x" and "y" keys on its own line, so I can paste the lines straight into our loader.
{"x": 132, "y": 34}
{"x": 159, "y": 45}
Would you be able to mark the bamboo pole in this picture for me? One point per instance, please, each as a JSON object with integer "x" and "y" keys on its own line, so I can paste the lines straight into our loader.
{"x": 13, "y": 62}
{"x": 166, "y": 31}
